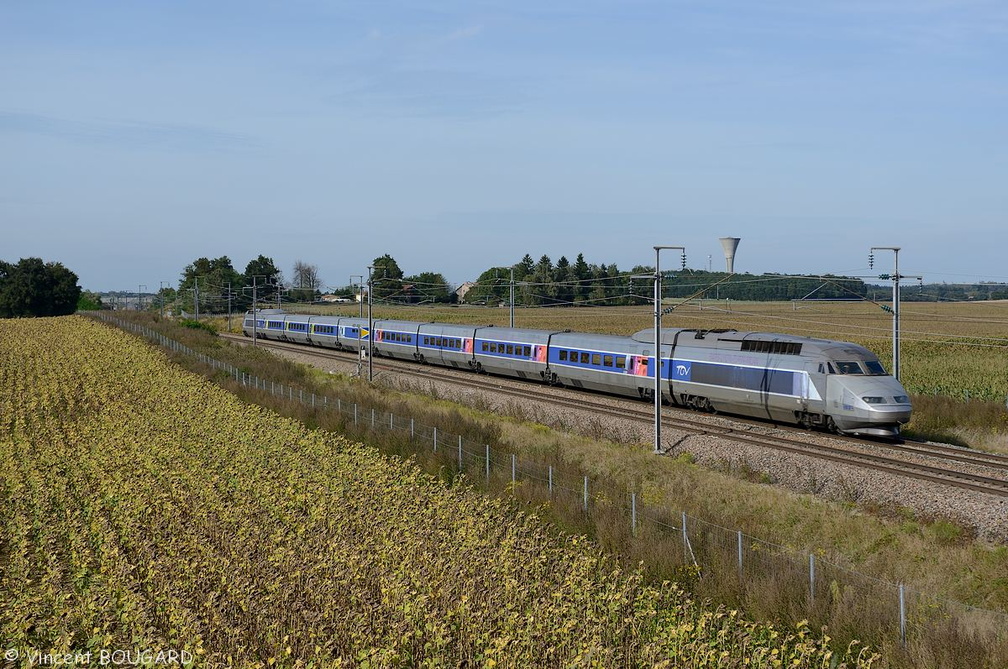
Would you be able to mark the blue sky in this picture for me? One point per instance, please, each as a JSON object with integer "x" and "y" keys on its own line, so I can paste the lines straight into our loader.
{"x": 456, "y": 136}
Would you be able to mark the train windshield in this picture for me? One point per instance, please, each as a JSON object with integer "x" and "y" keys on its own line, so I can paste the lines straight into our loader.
{"x": 875, "y": 368}
{"x": 848, "y": 368}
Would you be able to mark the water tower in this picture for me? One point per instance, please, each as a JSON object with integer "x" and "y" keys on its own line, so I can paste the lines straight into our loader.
{"x": 729, "y": 244}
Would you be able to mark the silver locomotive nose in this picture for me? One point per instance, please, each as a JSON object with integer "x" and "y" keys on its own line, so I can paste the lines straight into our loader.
{"x": 875, "y": 405}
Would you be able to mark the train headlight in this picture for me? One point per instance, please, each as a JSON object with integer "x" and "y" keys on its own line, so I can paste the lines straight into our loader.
{"x": 874, "y": 400}
{"x": 901, "y": 399}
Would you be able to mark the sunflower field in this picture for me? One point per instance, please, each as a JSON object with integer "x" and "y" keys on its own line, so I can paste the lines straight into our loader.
{"x": 147, "y": 512}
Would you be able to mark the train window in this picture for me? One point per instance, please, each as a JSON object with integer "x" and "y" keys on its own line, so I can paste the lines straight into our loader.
{"x": 584, "y": 358}
{"x": 485, "y": 347}
{"x": 607, "y": 361}
{"x": 493, "y": 347}
{"x": 875, "y": 368}
{"x": 527, "y": 351}
{"x": 510, "y": 349}
{"x": 621, "y": 361}
{"x": 596, "y": 359}
{"x": 563, "y": 356}
{"x": 849, "y": 368}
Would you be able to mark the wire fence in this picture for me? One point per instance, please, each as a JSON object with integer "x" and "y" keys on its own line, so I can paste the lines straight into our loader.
{"x": 815, "y": 587}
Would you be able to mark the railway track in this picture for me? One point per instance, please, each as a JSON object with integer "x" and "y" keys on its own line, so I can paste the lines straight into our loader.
{"x": 933, "y": 463}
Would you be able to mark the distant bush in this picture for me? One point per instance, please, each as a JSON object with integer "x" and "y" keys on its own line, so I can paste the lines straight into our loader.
{"x": 198, "y": 325}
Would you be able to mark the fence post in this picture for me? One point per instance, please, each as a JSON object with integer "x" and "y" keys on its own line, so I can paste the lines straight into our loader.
{"x": 633, "y": 513}
{"x": 412, "y": 431}
{"x": 487, "y": 464}
{"x": 586, "y": 494}
{"x": 391, "y": 420}
{"x": 372, "y": 417}
{"x": 685, "y": 539}
{"x": 811, "y": 576}
{"x": 435, "y": 439}
{"x": 902, "y": 605}
{"x": 551, "y": 480}
{"x": 740, "y": 553}
{"x": 354, "y": 413}
{"x": 460, "y": 453}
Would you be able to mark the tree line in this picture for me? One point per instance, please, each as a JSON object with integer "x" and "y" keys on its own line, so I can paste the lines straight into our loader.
{"x": 32, "y": 287}
{"x": 215, "y": 285}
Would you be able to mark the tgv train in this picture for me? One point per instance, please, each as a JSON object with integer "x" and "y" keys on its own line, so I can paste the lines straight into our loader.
{"x": 832, "y": 385}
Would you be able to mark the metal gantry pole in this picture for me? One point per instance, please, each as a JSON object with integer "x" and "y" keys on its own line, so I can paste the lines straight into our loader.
{"x": 896, "y": 300}
{"x": 255, "y": 315}
{"x": 512, "y": 297}
{"x": 657, "y": 342}
{"x": 896, "y": 317}
{"x": 370, "y": 337}
{"x": 360, "y": 291}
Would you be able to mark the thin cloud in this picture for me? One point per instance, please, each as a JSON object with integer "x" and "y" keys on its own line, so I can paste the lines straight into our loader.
{"x": 132, "y": 134}
{"x": 438, "y": 93}
{"x": 466, "y": 33}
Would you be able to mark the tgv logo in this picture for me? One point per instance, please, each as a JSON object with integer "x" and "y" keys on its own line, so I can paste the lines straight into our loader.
{"x": 682, "y": 370}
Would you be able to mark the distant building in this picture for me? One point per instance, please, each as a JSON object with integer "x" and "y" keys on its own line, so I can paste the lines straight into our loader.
{"x": 463, "y": 289}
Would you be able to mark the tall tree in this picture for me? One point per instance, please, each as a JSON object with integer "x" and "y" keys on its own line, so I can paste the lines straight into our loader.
{"x": 36, "y": 288}
{"x": 491, "y": 286}
{"x": 386, "y": 277}
{"x": 429, "y": 287}
{"x": 524, "y": 268}
{"x": 305, "y": 282}
{"x": 210, "y": 280}
{"x": 263, "y": 274}
{"x": 581, "y": 273}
